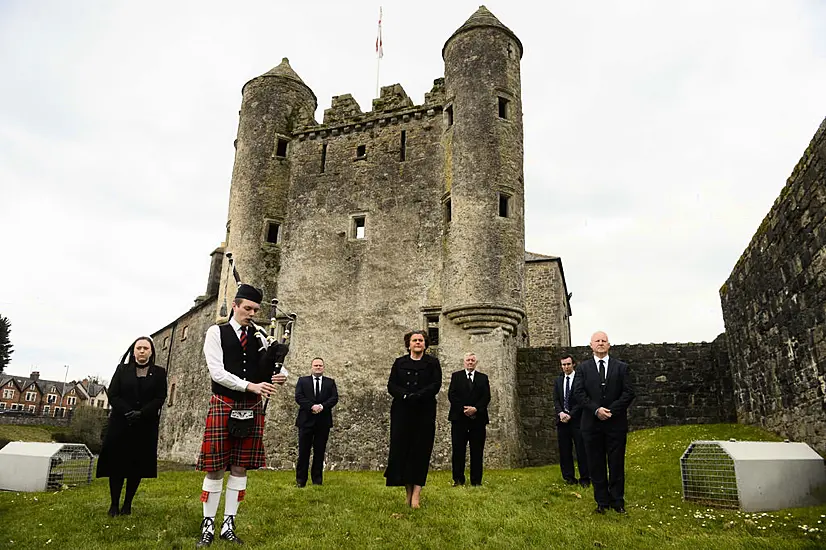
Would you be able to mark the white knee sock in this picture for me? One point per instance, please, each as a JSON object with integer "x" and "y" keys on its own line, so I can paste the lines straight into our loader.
{"x": 236, "y": 488}
{"x": 210, "y": 496}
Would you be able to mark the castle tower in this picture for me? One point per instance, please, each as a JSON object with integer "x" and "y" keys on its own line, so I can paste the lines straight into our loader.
{"x": 273, "y": 106}
{"x": 483, "y": 275}
{"x": 482, "y": 284}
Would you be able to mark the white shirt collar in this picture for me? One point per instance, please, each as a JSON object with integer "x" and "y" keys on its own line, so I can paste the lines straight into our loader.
{"x": 597, "y": 360}
{"x": 235, "y": 325}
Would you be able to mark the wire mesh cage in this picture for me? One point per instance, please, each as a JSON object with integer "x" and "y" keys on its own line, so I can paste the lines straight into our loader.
{"x": 30, "y": 466}
{"x": 753, "y": 476}
{"x": 709, "y": 476}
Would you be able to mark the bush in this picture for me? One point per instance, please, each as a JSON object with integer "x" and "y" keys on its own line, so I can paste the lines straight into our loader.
{"x": 87, "y": 426}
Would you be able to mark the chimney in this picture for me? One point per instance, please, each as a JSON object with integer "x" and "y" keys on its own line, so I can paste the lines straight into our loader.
{"x": 35, "y": 375}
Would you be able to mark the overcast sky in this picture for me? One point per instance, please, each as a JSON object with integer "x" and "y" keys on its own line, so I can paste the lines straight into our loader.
{"x": 657, "y": 136}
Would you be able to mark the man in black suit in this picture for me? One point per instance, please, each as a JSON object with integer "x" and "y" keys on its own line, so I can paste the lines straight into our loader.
{"x": 604, "y": 390}
{"x": 568, "y": 434}
{"x": 316, "y": 396}
{"x": 469, "y": 395}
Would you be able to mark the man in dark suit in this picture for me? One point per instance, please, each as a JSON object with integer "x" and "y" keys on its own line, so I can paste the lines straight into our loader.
{"x": 568, "y": 434}
{"x": 316, "y": 396}
{"x": 604, "y": 390}
{"x": 469, "y": 395}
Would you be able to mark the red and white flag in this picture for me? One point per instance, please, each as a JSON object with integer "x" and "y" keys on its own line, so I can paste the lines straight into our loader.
{"x": 379, "y": 48}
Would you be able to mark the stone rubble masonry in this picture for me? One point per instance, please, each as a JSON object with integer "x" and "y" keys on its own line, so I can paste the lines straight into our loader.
{"x": 774, "y": 308}
{"x": 546, "y": 300}
{"x": 675, "y": 384}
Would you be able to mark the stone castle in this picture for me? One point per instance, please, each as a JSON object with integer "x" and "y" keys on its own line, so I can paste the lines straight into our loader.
{"x": 369, "y": 225}
{"x": 412, "y": 216}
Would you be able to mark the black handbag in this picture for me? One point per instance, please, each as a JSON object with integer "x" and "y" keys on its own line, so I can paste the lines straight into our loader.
{"x": 241, "y": 422}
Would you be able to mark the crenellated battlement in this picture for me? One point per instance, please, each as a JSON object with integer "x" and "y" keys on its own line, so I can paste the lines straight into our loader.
{"x": 391, "y": 107}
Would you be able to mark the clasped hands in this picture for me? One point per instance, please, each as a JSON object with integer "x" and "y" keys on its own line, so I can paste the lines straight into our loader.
{"x": 132, "y": 416}
{"x": 317, "y": 408}
{"x": 469, "y": 411}
{"x": 603, "y": 413}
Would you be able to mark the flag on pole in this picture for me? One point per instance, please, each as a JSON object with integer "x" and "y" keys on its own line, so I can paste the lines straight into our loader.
{"x": 379, "y": 48}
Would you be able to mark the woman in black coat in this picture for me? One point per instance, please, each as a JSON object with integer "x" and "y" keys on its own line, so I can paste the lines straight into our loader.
{"x": 130, "y": 448}
{"x": 415, "y": 379}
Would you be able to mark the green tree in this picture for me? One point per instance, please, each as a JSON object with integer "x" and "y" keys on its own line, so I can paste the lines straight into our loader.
{"x": 5, "y": 343}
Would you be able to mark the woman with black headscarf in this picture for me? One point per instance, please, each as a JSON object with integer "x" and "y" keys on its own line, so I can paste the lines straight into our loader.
{"x": 130, "y": 449}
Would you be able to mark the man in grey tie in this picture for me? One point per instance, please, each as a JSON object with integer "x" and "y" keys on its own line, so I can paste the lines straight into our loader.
{"x": 604, "y": 390}
{"x": 568, "y": 416}
{"x": 316, "y": 396}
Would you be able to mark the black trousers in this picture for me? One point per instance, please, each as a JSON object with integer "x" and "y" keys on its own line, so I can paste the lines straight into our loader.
{"x": 606, "y": 464}
{"x": 314, "y": 438}
{"x": 569, "y": 436}
{"x": 462, "y": 433}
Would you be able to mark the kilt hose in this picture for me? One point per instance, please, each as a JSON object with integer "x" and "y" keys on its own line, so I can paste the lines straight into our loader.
{"x": 219, "y": 450}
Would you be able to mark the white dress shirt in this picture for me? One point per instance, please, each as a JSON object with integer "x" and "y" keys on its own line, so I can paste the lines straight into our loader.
{"x": 214, "y": 354}
{"x": 470, "y": 374}
{"x": 596, "y": 362}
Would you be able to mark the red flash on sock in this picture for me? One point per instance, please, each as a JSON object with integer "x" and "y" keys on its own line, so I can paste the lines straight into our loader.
{"x": 204, "y": 496}
{"x": 241, "y": 495}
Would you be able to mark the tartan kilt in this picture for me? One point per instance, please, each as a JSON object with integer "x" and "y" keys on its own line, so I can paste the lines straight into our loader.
{"x": 219, "y": 450}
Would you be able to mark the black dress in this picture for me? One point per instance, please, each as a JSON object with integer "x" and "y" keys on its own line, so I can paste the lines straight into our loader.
{"x": 132, "y": 450}
{"x": 413, "y": 385}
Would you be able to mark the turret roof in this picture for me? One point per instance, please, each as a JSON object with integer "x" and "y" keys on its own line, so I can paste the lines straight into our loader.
{"x": 284, "y": 70}
{"x": 483, "y": 18}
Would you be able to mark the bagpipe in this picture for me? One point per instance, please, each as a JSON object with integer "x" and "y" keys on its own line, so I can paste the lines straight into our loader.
{"x": 275, "y": 347}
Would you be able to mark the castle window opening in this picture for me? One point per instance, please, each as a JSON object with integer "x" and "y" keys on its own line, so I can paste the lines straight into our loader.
{"x": 432, "y": 322}
{"x": 504, "y": 205}
{"x": 184, "y": 333}
{"x": 273, "y": 232}
{"x": 323, "y": 157}
{"x": 448, "y": 211}
{"x": 165, "y": 343}
{"x": 281, "y": 148}
{"x": 358, "y": 227}
{"x": 361, "y": 152}
{"x": 402, "y": 151}
{"x": 449, "y": 115}
{"x": 503, "y": 107}
{"x": 172, "y": 389}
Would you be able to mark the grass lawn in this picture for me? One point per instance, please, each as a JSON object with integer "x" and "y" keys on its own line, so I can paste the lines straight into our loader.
{"x": 28, "y": 433}
{"x": 527, "y": 508}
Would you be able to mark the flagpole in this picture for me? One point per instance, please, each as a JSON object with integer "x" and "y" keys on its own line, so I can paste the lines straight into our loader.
{"x": 379, "y": 53}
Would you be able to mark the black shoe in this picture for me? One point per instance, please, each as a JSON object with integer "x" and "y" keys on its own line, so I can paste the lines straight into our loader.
{"x": 113, "y": 511}
{"x": 476, "y": 484}
{"x": 207, "y": 533}
{"x": 620, "y": 509}
{"x": 571, "y": 481}
{"x": 584, "y": 483}
{"x": 228, "y": 531}
{"x": 126, "y": 510}
{"x": 458, "y": 483}
{"x": 300, "y": 485}
{"x": 601, "y": 509}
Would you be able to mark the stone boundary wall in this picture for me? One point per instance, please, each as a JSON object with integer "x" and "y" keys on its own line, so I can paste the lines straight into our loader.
{"x": 774, "y": 308}
{"x": 675, "y": 384}
{"x": 34, "y": 421}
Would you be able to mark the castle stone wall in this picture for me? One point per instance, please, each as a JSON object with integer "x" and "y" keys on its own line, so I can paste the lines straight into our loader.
{"x": 774, "y": 308}
{"x": 546, "y": 304}
{"x": 675, "y": 384}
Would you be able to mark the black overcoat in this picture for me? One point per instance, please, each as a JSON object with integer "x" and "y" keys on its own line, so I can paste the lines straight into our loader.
{"x": 132, "y": 450}
{"x": 413, "y": 385}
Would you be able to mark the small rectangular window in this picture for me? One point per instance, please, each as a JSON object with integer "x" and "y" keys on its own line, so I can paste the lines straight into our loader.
{"x": 448, "y": 211}
{"x": 358, "y": 227}
{"x": 361, "y": 151}
{"x": 449, "y": 115}
{"x": 323, "y": 157}
{"x": 45, "y": 410}
{"x": 433, "y": 329}
{"x": 503, "y": 107}
{"x": 281, "y": 148}
{"x": 402, "y": 152}
{"x": 273, "y": 232}
{"x": 504, "y": 205}
{"x": 171, "y": 395}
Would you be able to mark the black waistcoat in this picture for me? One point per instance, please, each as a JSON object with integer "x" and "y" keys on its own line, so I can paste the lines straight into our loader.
{"x": 243, "y": 364}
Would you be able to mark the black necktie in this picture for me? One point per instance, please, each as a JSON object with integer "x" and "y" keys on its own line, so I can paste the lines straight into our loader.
{"x": 602, "y": 371}
{"x": 317, "y": 385}
{"x": 243, "y": 338}
{"x": 470, "y": 379}
{"x": 567, "y": 392}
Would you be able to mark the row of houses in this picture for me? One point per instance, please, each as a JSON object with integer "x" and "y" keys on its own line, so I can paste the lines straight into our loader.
{"x": 49, "y": 398}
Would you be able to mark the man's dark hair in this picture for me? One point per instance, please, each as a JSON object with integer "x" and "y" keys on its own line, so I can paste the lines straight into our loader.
{"x": 568, "y": 356}
{"x": 411, "y": 333}
{"x": 314, "y": 358}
